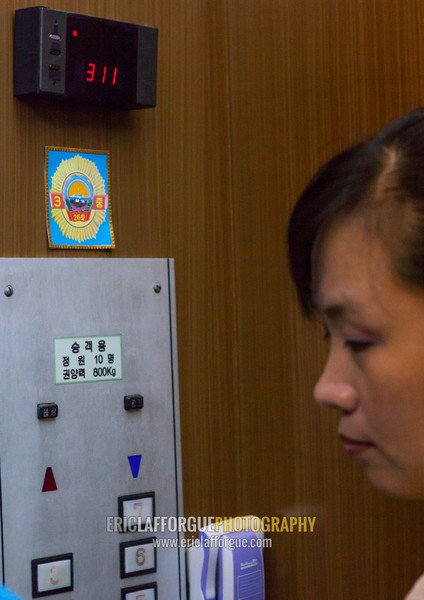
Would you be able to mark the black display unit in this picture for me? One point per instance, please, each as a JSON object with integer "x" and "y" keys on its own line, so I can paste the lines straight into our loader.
{"x": 84, "y": 59}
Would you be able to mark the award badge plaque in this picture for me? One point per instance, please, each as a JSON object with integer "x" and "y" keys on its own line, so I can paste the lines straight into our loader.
{"x": 77, "y": 199}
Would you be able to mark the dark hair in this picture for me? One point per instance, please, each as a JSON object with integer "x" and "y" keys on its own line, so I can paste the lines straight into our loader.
{"x": 385, "y": 170}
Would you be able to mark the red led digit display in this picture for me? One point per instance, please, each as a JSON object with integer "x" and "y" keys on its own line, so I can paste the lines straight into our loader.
{"x": 101, "y": 61}
{"x": 90, "y": 71}
{"x": 103, "y": 74}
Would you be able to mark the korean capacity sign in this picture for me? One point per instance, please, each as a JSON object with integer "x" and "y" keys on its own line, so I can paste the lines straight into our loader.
{"x": 87, "y": 359}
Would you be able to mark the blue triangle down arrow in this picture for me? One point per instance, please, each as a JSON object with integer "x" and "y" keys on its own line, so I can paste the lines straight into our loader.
{"x": 135, "y": 461}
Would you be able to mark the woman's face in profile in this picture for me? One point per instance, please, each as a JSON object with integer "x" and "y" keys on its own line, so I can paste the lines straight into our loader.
{"x": 374, "y": 374}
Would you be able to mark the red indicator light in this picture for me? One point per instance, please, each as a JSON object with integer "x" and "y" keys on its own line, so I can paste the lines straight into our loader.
{"x": 74, "y": 33}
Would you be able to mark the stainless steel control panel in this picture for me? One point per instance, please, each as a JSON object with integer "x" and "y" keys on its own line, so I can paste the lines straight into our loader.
{"x": 89, "y": 429}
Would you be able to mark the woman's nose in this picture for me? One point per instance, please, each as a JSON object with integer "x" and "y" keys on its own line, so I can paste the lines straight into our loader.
{"x": 335, "y": 389}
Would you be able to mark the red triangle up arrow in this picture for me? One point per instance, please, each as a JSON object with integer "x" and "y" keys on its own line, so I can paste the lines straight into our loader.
{"x": 49, "y": 484}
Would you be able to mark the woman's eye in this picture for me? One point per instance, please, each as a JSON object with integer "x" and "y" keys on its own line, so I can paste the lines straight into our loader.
{"x": 357, "y": 346}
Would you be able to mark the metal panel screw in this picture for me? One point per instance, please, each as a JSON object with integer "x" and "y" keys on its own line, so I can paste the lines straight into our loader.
{"x": 8, "y": 291}
{"x": 157, "y": 288}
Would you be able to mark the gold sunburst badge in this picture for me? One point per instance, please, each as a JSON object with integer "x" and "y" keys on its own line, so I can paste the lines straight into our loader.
{"x": 78, "y": 202}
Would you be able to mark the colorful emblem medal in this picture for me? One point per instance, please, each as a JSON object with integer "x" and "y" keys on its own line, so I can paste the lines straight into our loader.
{"x": 78, "y": 204}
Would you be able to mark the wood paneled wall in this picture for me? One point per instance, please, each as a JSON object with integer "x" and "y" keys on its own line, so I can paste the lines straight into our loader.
{"x": 253, "y": 95}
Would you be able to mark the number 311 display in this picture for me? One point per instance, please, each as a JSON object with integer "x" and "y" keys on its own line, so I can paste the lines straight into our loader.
{"x": 84, "y": 59}
{"x": 102, "y": 74}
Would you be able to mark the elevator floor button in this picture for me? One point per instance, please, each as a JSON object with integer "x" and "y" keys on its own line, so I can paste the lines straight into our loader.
{"x": 52, "y": 575}
{"x": 135, "y": 510}
{"x": 138, "y": 557}
{"x": 140, "y": 592}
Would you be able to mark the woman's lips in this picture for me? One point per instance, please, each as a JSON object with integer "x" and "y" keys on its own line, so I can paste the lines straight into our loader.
{"x": 355, "y": 447}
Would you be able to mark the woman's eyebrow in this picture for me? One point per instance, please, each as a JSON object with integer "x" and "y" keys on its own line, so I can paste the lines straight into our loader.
{"x": 338, "y": 310}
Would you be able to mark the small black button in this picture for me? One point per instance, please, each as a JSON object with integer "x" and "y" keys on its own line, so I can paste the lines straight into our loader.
{"x": 55, "y": 73}
{"x": 47, "y": 410}
{"x": 133, "y": 402}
